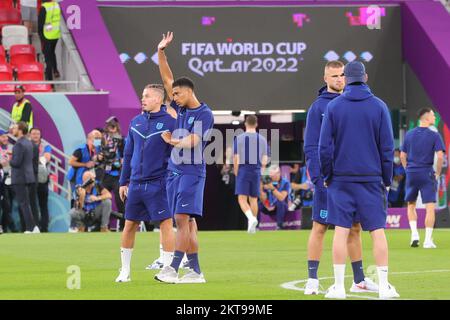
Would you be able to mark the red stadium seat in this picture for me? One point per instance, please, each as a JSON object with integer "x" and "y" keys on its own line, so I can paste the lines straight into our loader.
{"x": 21, "y": 54}
{"x": 33, "y": 72}
{"x": 6, "y": 74}
{"x": 9, "y": 16}
{"x": 2, "y": 55}
{"x": 6, "y": 4}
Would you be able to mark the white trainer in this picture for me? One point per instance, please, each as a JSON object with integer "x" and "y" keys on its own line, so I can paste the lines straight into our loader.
{"x": 36, "y": 230}
{"x": 367, "y": 285}
{"x": 388, "y": 293}
{"x": 192, "y": 277}
{"x": 252, "y": 223}
{"x": 124, "y": 276}
{"x": 156, "y": 265}
{"x": 311, "y": 286}
{"x": 333, "y": 293}
{"x": 167, "y": 274}
{"x": 429, "y": 245}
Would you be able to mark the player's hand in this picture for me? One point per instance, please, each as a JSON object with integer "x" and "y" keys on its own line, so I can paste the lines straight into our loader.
{"x": 325, "y": 184}
{"x": 167, "y": 137}
{"x": 437, "y": 176}
{"x": 166, "y": 40}
{"x": 123, "y": 193}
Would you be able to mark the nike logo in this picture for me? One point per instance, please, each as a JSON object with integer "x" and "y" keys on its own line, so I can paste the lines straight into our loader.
{"x": 312, "y": 268}
{"x": 137, "y": 125}
{"x": 159, "y": 212}
{"x": 184, "y": 205}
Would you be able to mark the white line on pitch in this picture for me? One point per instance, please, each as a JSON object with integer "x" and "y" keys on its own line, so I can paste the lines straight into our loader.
{"x": 292, "y": 284}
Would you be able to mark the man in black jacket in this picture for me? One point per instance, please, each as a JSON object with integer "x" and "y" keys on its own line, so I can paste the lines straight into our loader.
{"x": 22, "y": 176}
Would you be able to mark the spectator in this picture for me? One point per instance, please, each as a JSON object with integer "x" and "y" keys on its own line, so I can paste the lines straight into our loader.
{"x": 6, "y": 192}
{"x": 92, "y": 205}
{"x": 22, "y": 110}
{"x": 274, "y": 195}
{"x": 49, "y": 29}
{"x": 397, "y": 190}
{"x": 22, "y": 176}
{"x": 28, "y": 9}
{"x": 302, "y": 188}
{"x": 45, "y": 151}
{"x": 83, "y": 158}
{"x": 226, "y": 170}
{"x": 111, "y": 156}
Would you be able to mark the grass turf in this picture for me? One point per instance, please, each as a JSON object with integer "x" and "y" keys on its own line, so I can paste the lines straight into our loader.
{"x": 236, "y": 265}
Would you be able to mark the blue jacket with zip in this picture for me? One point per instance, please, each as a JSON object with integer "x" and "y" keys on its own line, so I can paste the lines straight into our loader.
{"x": 146, "y": 155}
{"x": 312, "y": 132}
{"x": 356, "y": 139}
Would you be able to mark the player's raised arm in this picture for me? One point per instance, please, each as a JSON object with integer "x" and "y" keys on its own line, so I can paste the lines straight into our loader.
{"x": 164, "y": 69}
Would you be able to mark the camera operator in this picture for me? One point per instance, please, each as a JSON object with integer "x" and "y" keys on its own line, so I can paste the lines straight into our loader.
{"x": 92, "y": 204}
{"x": 274, "y": 195}
{"x": 302, "y": 188}
{"x": 110, "y": 159}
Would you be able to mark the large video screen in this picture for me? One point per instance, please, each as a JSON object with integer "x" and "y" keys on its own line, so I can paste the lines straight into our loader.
{"x": 253, "y": 58}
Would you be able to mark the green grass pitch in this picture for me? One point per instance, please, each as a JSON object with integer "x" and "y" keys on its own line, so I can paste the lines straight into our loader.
{"x": 236, "y": 266}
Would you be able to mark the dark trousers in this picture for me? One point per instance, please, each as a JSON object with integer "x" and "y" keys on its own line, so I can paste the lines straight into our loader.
{"x": 111, "y": 183}
{"x": 7, "y": 198}
{"x": 281, "y": 208}
{"x": 48, "y": 48}
{"x": 34, "y": 203}
{"x": 42, "y": 192}
{"x": 22, "y": 192}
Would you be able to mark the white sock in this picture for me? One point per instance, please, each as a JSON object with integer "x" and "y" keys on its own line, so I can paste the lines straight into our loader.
{"x": 167, "y": 258}
{"x": 413, "y": 226}
{"x": 339, "y": 275}
{"x": 249, "y": 215}
{"x": 125, "y": 256}
{"x": 184, "y": 258}
{"x": 161, "y": 252}
{"x": 428, "y": 234}
{"x": 382, "y": 276}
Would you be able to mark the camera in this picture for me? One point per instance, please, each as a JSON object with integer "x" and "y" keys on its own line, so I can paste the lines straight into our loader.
{"x": 266, "y": 179}
{"x": 109, "y": 153}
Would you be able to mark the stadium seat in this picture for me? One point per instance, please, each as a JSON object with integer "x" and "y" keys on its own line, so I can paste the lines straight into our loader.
{"x": 14, "y": 34}
{"x": 6, "y": 74}
{"x": 2, "y": 55}
{"x": 21, "y": 54}
{"x": 33, "y": 72}
{"x": 6, "y": 4}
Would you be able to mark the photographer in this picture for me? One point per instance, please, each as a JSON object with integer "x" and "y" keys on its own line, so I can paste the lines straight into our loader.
{"x": 302, "y": 188}
{"x": 92, "y": 204}
{"x": 84, "y": 158}
{"x": 110, "y": 159}
{"x": 274, "y": 195}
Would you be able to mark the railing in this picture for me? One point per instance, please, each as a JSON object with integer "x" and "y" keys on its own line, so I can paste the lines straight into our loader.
{"x": 58, "y": 161}
{"x": 63, "y": 82}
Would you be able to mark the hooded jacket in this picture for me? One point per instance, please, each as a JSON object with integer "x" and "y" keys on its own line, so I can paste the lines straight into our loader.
{"x": 312, "y": 132}
{"x": 356, "y": 140}
{"x": 146, "y": 154}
